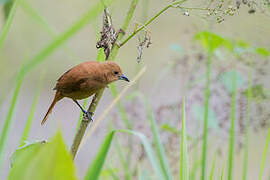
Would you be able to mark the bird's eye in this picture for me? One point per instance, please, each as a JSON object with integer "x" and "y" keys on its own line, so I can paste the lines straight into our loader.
{"x": 115, "y": 72}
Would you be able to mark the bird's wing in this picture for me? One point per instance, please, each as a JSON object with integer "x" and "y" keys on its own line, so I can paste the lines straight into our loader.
{"x": 72, "y": 80}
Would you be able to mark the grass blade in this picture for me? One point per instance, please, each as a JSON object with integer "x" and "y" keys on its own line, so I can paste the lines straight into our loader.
{"x": 10, "y": 18}
{"x": 249, "y": 95}
{"x": 206, "y": 109}
{"x": 124, "y": 163}
{"x": 150, "y": 153}
{"x": 213, "y": 167}
{"x": 6, "y": 127}
{"x": 231, "y": 145}
{"x": 158, "y": 144}
{"x": 264, "y": 154}
{"x": 32, "y": 112}
{"x": 67, "y": 34}
{"x": 97, "y": 164}
{"x": 184, "y": 174}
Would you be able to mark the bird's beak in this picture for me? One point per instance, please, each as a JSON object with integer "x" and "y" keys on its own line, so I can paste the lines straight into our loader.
{"x": 123, "y": 77}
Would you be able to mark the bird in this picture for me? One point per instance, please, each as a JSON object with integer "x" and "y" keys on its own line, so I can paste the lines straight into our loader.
{"x": 84, "y": 80}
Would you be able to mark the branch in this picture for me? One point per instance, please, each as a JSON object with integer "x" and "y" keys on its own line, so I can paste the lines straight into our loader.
{"x": 79, "y": 135}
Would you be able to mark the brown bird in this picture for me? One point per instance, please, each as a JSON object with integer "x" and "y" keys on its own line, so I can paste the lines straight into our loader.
{"x": 84, "y": 80}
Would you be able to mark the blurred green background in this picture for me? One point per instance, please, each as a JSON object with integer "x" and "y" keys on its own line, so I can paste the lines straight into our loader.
{"x": 175, "y": 68}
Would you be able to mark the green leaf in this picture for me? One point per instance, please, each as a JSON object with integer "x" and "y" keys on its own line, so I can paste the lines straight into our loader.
{"x": 43, "y": 161}
{"x": 95, "y": 168}
{"x": 8, "y": 121}
{"x": 12, "y": 7}
{"x": 227, "y": 77}
{"x": 262, "y": 51}
{"x": 158, "y": 144}
{"x": 210, "y": 41}
{"x": 170, "y": 128}
{"x": 198, "y": 110}
{"x": 264, "y": 154}
{"x": 259, "y": 93}
{"x": 25, "y": 151}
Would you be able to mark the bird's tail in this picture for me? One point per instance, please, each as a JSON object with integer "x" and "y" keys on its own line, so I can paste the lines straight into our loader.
{"x": 57, "y": 97}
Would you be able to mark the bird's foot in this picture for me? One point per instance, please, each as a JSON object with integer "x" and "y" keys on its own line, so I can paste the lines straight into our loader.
{"x": 88, "y": 115}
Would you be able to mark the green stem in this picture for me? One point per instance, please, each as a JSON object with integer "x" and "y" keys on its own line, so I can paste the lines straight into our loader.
{"x": 249, "y": 95}
{"x": 231, "y": 145}
{"x": 8, "y": 23}
{"x": 84, "y": 124}
{"x": 264, "y": 154}
{"x": 206, "y": 107}
{"x": 151, "y": 20}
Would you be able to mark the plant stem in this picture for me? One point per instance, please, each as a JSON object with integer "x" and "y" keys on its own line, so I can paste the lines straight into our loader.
{"x": 151, "y": 20}
{"x": 112, "y": 55}
{"x": 79, "y": 135}
{"x": 231, "y": 145}
{"x": 206, "y": 107}
{"x": 249, "y": 94}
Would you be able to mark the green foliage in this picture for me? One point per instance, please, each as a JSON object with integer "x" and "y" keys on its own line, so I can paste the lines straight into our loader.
{"x": 7, "y": 124}
{"x": 259, "y": 93}
{"x": 95, "y": 168}
{"x": 262, "y": 51}
{"x": 43, "y": 161}
{"x": 158, "y": 144}
{"x": 249, "y": 95}
{"x": 184, "y": 167}
{"x": 210, "y": 41}
{"x": 232, "y": 129}
{"x": 264, "y": 154}
{"x": 169, "y": 128}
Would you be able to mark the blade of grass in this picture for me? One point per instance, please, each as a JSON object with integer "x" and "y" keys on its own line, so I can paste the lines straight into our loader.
{"x": 124, "y": 163}
{"x": 206, "y": 109}
{"x": 249, "y": 95}
{"x": 264, "y": 154}
{"x": 67, "y": 34}
{"x": 6, "y": 127}
{"x": 213, "y": 167}
{"x": 97, "y": 164}
{"x": 184, "y": 174}
{"x": 231, "y": 145}
{"x": 7, "y": 25}
{"x": 158, "y": 144}
{"x": 28, "y": 124}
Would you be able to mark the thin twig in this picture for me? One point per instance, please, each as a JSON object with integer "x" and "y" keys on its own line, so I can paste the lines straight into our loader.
{"x": 151, "y": 20}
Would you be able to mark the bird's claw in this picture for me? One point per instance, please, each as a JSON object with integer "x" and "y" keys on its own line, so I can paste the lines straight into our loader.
{"x": 89, "y": 116}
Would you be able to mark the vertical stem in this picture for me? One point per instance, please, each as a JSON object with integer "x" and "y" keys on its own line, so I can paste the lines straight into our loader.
{"x": 206, "y": 107}
{"x": 231, "y": 145}
{"x": 247, "y": 125}
{"x": 84, "y": 124}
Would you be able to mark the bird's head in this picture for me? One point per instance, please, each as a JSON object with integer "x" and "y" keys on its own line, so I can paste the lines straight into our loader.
{"x": 113, "y": 72}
